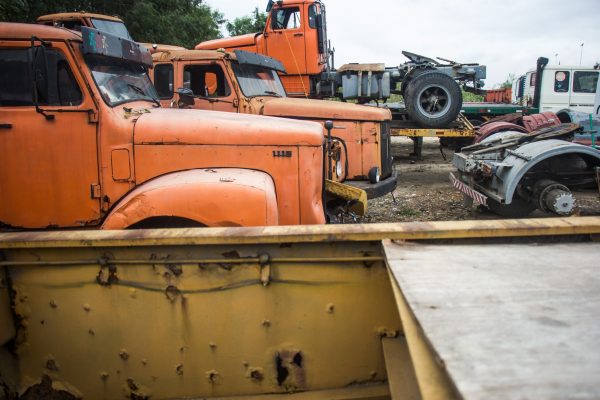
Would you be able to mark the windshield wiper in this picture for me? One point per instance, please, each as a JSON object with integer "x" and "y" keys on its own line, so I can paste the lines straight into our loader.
{"x": 143, "y": 93}
{"x": 272, "y": 93}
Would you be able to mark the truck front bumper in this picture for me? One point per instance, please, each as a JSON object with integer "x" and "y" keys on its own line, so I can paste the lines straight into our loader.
{"x": 376, "y": 189}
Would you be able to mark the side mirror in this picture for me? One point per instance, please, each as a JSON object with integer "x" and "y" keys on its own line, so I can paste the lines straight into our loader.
{"x": 186, "y": 96}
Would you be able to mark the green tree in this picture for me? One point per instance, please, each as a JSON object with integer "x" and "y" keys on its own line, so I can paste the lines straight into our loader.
{"x": 178, "y": 22}
{"x": 508, "y": 82}
{"x": 252, "y": 23}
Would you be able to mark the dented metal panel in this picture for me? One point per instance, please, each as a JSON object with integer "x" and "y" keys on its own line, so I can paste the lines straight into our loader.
{"x": 195, "y": 321}
{"x": 223, "y": 312}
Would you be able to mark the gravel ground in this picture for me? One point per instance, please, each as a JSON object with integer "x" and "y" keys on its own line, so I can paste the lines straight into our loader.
{"x": 424, "y": 191}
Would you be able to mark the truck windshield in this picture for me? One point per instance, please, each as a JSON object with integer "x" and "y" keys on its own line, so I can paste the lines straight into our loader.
{"x": 113, "y": 27}
{"x": 258, "y": 81}
{"x": 120, "y": 81}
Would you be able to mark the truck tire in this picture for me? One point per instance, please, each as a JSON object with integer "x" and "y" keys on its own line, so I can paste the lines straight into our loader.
{"x": 433, "y": 99}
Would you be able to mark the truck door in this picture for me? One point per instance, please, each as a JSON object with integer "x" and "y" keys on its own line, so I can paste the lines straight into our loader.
{"x": 583, "y": 90}
{"x": 49, "y": 169}
{"x": 555, "y": 93}
{"x": 211, "y": 86}
{"x": 285, "y": 39}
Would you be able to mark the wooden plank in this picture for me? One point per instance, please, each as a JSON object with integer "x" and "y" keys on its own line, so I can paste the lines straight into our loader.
{"x": 507, "y": 321}
{"x": 304, "y": 233}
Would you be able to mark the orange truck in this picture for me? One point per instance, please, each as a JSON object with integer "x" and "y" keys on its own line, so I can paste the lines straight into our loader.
{"x": 359, "y": 150}
{"x": 84, "y": 143}
{"x": 296, "y": 34}
{"x": 243, "y": 82}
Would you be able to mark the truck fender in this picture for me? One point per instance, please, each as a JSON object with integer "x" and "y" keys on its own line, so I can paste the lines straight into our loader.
{"x": 208, "y": 197}
{"x": 524, "y": 158}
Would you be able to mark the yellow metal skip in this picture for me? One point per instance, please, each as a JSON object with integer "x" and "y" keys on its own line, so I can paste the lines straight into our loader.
{"x": 305, "y": 312}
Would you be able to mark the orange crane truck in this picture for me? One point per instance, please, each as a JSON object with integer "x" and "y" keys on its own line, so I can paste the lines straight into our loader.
{"x": 84, "y": 143}
{"x": 244, "y": 82}
{"x": 296, "y": 34}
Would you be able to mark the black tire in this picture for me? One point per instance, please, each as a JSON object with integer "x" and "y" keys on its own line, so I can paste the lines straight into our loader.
{"x": 518, "y": 208}
{"x": 433, "y": 100}
{"x": 412, "y": 75}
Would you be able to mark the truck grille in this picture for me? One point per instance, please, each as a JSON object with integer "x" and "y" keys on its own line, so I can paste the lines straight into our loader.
{"x": 386, "y": 150}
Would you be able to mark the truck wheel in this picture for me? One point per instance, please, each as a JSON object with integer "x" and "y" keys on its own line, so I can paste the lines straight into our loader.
{"x": 433, "y": 99}
{"x": 518, "y": 208}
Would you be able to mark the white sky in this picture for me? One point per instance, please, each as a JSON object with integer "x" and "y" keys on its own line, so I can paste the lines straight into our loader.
{"x": 507, "y": 36}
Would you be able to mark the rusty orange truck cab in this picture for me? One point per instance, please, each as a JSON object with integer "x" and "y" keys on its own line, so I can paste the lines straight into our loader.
{"x": 84, "y": 144}
{"x": 242, "y": 82}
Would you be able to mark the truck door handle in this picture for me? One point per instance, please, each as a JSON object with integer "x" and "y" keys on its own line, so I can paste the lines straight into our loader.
{"x": 298, "y": 34}
{"x": 4, "y": 125}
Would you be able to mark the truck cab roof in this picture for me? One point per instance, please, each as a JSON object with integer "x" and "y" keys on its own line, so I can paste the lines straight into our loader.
{"x": 72, "y": 16}
{"x": 25, "y": 31}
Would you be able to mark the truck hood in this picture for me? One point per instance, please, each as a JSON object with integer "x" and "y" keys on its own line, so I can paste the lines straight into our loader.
{"x": 323, "y": 109}
{"x": 172, "y": 126}
{"x": 236, "y": 41}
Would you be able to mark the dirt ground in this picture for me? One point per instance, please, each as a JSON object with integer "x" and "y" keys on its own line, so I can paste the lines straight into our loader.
{"x": 424, "y": 191}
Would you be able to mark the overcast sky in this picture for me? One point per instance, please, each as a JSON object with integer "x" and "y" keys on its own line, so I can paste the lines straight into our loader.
{"x": 506, "y": 36}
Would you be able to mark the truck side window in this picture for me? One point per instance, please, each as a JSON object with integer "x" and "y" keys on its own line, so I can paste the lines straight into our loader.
{"x": 285, "y": 18}
{"x": 206, "y": 80}
{"x": 313, "y": 11}
{"x": 15, "y": 85}
{"x": 532, "y": 79}
{"x": 585, "y": 81}
{"x": 163, "y": 80}
{"x": 561, "y": 81}
{"x": 56, "y": 85}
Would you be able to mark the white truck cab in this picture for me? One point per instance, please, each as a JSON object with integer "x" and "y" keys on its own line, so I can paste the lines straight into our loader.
{"x": 562, "y": 86}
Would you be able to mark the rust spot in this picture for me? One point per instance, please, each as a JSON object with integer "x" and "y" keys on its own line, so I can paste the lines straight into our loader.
{"x": 172, "y": 293}
{"x": 385, "y": 332}
{"x": 87, "y": 308}
{"x": 256, "y": 374}
{"x": 175, "y": 269}
{"x": 212, "y": 376}
{"x": 330, "y": 308}
{"x": 179, "y": 369}
{"x": 104, "y": 375}
{"x": 144, "y": 361}
{"x": 266, "y": 323}
{"x": 91, "y": 332}
{"x": 53, "y": 304}
{"x": 46, "y": 390}
{"x": 291, "y": 374}
{"x": 51, "y": 364}
{"x": 107, "y": 275}
{"x": 124, "y": 355}
{"x": 136, "y": 391}
{"x": 213, "y": 346}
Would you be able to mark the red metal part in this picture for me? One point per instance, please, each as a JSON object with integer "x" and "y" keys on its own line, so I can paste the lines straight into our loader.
{"x": 502, "y": 96}
{"x": 495, "y": 127}
{"x": 537, "y": 121}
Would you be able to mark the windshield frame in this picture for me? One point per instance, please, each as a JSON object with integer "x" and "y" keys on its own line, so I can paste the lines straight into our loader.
{"x": 111, "y": 22}
{"x": 102, "y": 60}
{"x": 237, "y": 68}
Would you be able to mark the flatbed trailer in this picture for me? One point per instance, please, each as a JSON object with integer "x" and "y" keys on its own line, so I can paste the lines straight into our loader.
{"x": 483, "y": 111}
{"x": 436, "y": 310}
{"x": 461, "y": 132}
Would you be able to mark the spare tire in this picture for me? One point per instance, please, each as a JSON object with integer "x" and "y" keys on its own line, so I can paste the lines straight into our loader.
{"x": 433, "y": 99}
